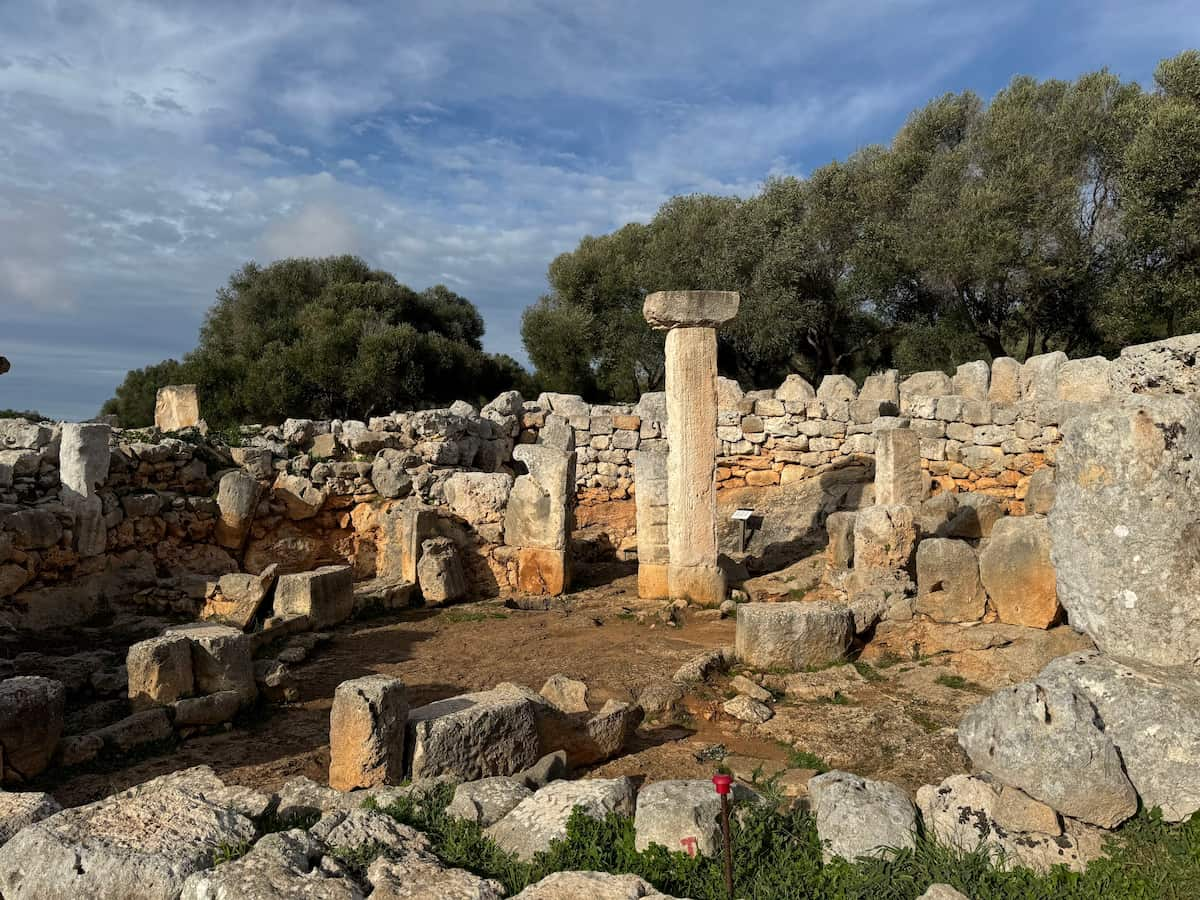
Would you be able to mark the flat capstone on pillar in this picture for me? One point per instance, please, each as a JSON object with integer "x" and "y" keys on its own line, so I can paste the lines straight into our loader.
{"x": 691, "y": 319}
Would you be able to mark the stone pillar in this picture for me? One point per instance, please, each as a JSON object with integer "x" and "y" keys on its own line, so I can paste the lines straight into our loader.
{"x": 650, "y": 478}
{"x": 83, "y": 467}
{"x": 691, "y": 319}
{"x": 538, "y": 518}
{"x": 898, "y": 476}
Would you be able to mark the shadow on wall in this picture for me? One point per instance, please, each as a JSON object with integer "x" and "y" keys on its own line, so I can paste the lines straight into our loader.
{"x": 789, "y": 520}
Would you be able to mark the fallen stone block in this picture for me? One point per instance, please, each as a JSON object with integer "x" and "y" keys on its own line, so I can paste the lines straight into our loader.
{"x": 367, "y": 726}
{"x": 488, "y": 800}
{"x": 859, "y": 817}
{"x": 160, "y": 670}
{"x": 324, "y": 595}
{"x": 683, "y": 816}
{"x": 884, "y": 537}
{"x": 31, "y": 722}
{"x": 176, "y": 407}
{"x": 211, "y": 709}
{"x": 550, "y": 767}
{"x": 566, "y": 693}
{"x": 477, "y": 735}
{"x": 747, "y": 709}
{"x": 542, "y": 818}
{"x": 237, "y": 499}
{"x": 792, "y": 635}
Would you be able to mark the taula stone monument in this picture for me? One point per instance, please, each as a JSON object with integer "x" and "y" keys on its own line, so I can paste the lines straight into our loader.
{"x": 691, "y": 319}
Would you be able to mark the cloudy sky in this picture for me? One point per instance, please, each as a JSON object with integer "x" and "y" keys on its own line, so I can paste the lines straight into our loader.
{"x": 147, "y": 149}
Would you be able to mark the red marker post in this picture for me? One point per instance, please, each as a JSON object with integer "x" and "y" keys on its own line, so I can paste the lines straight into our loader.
{"x": 724, "y": 784}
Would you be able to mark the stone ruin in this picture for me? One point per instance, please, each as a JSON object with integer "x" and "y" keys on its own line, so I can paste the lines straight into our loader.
{"x": 954, "y": 510}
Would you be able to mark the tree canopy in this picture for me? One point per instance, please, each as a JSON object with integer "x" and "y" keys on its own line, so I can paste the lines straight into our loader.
{"x": 1061, "y": 215}
{"x": 325, "y": 338}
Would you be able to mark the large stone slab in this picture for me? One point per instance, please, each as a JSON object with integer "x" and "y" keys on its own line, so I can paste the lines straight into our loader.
{"x": 948, "y": 585}
{"x": 683, "y": 816}
{"x": 792, "y": 635}
{"x": 1046, "y": 741}
{"x": 690, "y": 309}
{"x": 139, "y": 844}
{"x": 590, "y": 885}
{"x": 367, "y": 726}
{"x": 160, "y": 670}
{"x": 1162, "y": 367}
{"x": 31, "y": 722}
{"x": 898, "y": 475}
{"x": 884, "y": 537}
{"x": 1124, "y": 528}
{"x": 542, "y": 818}
{"x": 325, "y": 595}
{"x": 176, "y": 406}
{"x": 859, "y": 817}
{"x": 477, "y": 735}
{"x": 420, "y": 877}
{"x": 282, "y": 866}
{"x": 1151, "y": 714}
{"x": 221, "y": 658}
{"x": 17, "y": 810}
{"x": 1017, "y": 573}
{"x": 488, "y": 800}
{"x": 440, "y": 572}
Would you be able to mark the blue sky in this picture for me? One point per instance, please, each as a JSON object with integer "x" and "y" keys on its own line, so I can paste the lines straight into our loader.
{"x": 147, "y": 149}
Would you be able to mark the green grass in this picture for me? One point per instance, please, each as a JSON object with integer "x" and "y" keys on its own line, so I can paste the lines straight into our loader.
{"x": 961, "y": 684}
{"x": 928, "y": 724}
{"x": 887, "y": 659}
{"x": 867, "y": 672}
{"x": 455, "y": 616}
{"x": 777, "y": 856}
{"x": 228, "y": 852}
{"x": 836, "y": 699}
{"x": 802, "y": 759}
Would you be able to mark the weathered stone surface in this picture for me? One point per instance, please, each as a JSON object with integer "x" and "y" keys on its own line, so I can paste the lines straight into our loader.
{"x": 840, "y": 550}
{"x": 1084, "y": 380}
{"x": 31, "y": 722}
{"x": 744, "y": 685}
{"x": 388, "y": 473}
{"x": 160, "y": 670}
{"x": 477, "y": 735}
{"x": 1039, "y": 376}
{"x": 1161, "y": 367}
{"x": 550, "y": 767}
{"x": 301, "y": 498}
{"x": 237, "y": 498}
{"x": 358, "y": 827}
{"x": 1015, "y": 567}
{"x": 792, "y": 635}
{"x": 540, "y": 819}
{"x": 417, "y": 877}
{"x": 884, "y": 537}
{"x": 1005, "y": 385}
{"x": 17, "y": 810}
{"x": 325, "y": 595}
{"x": 282, "y": 866}
{"x": 882, "y": 386}
{"x": 683, "y": 816}
{"x": 948, "y": 585}
{"x": 974, "y": 516}
{"x": 1039, "y": 495}
{"x": 747, "y": 709}
{"x": 488, "y": 800}
{"x": 650, "y": 476}
{"x": 965, "y": 811}
{"x": 971, "y": 380}
{"x": 1045, "y": 741}
{"x": 943, "y": 892}
{"x": 538, "y": 513}
{"x": 211, "y": 709}
{"x": 140, "y": 844}
{"x": 795, "y": 389}
{"x": 1124, "y": 528}
{"x": 837, "y": 387}
{"x": 542, "y": 571}
{"x": 239, "y": 597}
{"x": 899, "y": 479}
{"x": 924, "y": 384}
{"x": 221, "y": 658}
{"x": 1152, "y": 716}
{"x": 367, "y": 727}
{"x": 859, "y": 817}
{"x": 592, "y": 885}
{"x": 176, "y": 406}
{"x": 440, "y": 572}
{"x": 689, "y": 309}
{"x": 566, "y": 693}
{"x": 589, "y": 740}
{"x": 84, "y": 456}
{"x": 478, "y": 497}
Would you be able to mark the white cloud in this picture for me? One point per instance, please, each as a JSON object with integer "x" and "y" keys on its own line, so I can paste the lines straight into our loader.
{"x": 317, "y": 229}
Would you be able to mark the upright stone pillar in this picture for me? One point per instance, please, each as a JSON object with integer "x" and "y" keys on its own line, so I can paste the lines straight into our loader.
{"x": 539, "y": 516}
{"x": 898, "y": 476}
{"x": 83, "y": 467}
{"x": 691, "y": 319}
{"x": 650, "y": 477}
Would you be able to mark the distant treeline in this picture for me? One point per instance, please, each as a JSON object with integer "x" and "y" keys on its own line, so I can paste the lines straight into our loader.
{"x": 1062, "y": 215}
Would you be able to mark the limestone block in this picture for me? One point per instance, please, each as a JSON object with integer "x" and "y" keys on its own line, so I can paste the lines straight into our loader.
{"x": 476, "y": 735}
{"x": 882, "y": 386}
{"x": 541, "y": 571}
{"x": 898, "y": 474}
{"x": 1045, "y": 741}
{"x": 971, "y": 380}
{"x": 416, "y": 877}
{"x": 17, "y": 810}
{"x": 948, "y": 585}
{"x": 792, "y": 635}
{"x": 690, "y": 309}
{"x": 31, "y": 722}
{"x": 682, "y": 816}
{"x": 176, "y": 406}
{"x": 1005, "y": 385}
{"x": 325, "y": 595}
{"x": 211, "y": 709}
{"x": 840, "y": 550}
{"x": 388, "y": 473}
{"x": 237, "y": 498}
{"x": 367, "y": 727}
{"x": 282, "y": 866}
{"x": 1017, "y": 573}
{"x": 440, "y": 572}
{"x": 1039, "y": 376}
{"x": 1123, "y": 527}
{"x": 221, "y": 659}
{"x": 964, "y": 811}
{"x": 542, "y": 818}
{"x": 884, "y": 537}
{"x": 795, "y": 389}
{"x": 539, "y": 506}
{"x": 160, "y": 670}
{"x": 84, "y": 457}
{"x": 859, "y": 817}
{"x": 1161, "y": 367}
{"x": 478, "y": 497}
{"x": 1039, "y": 495}
{"x": 1084, "y": 380}
{"x": 301, "y": 497}
{"x": 924, "y": 384}
{"x": 140, "y": 844}
{"x": 837, "y": 387}
{"x": 566, "y": 694}
{"x": 593, "y": 885}
{"x": 747, "y": 709}
{"x": 240, "y": 596}
{"x": 488, "y": 800}
{"x": 974, "y": 517}
{"x": 1151, "y": 714}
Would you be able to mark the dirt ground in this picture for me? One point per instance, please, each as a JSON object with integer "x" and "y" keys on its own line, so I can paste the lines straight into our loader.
{"x": 893, "y": 720}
